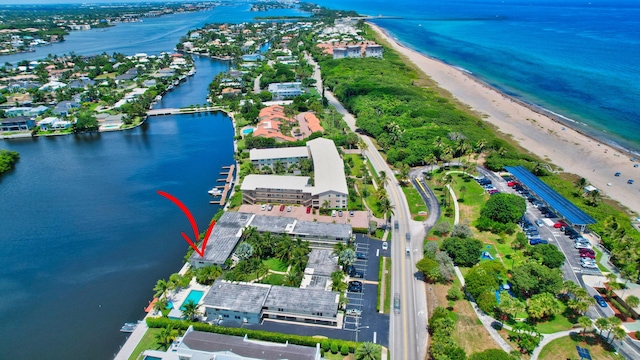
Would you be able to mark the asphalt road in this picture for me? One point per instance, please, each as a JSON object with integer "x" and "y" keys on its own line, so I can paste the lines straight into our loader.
{"x": 408, "y": 335}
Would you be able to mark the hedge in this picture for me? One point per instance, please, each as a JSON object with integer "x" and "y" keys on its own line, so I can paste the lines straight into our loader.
{"x": 360, "y": 230}
{"x": 163, "y": 322}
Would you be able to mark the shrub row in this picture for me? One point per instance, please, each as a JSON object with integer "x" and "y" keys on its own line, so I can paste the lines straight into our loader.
{"x": 163, "y": 322}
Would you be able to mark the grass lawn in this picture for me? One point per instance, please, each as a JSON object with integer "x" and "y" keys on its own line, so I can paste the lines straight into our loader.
{"x": 275, "y": 264}
{"x": 273, "y": 279}
{"x": 416, "y": 204}
{"x": 371, "y": 200}
{"x": 469, "y": 333}
{"x": 357, "y": 163}
{"x": 565, "y": 348}
{"x": 559, "y": 323}
{"x": 236, "y": 200}
{"x": 148, "y": 342}
{"x": 598, "y": 258}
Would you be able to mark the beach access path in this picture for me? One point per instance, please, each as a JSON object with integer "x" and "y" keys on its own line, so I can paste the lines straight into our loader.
{"x": 552, "y": 141}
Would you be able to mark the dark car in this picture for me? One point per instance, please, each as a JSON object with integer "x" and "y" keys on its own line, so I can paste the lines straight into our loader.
{"x": 396, "y": 303}
{"x": 618, "y": 174}
{"x": 308, "y": 209}
{"x": 536, "y": 241}
{"x": 395, "y": 225}
{"x": 282, "y": 207}
{"x": 270, "y": 207}
{"x": 587, "y": 255}
{"x": 355, "y": 286}
{"x": 407, "y": 236}
{"x": 600, "y": 300}
{"x": 361, "y": 256}
{"x": 351, "y": 213}
{"x": 588, "y": 251}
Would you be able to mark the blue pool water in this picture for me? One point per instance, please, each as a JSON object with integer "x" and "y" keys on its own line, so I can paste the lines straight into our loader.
{"x": 247, "y": 131}
{"x": 169, "y": 305}
{"x": 194, "y": 295}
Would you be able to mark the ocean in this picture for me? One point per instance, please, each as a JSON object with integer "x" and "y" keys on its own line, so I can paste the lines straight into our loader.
{"x": 576, "y": 58}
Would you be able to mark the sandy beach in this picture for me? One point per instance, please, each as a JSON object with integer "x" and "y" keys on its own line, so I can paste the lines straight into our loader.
{"x": 552, "y": 141}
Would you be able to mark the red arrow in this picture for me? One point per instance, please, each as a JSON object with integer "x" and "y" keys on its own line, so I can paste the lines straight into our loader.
{"x": 194, "y": 226}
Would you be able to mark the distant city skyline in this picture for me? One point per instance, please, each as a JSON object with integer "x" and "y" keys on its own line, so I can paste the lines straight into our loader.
{"x": 52, "y": 2}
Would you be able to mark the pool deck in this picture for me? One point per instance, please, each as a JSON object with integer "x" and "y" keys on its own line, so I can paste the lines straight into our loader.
{"x": 176, "y": 297}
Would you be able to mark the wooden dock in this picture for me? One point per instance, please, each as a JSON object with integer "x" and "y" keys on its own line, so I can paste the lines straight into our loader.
{"x": 228, "y": 183}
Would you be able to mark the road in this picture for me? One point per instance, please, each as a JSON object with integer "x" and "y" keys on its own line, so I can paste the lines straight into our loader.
{"x": 408, "y": 334}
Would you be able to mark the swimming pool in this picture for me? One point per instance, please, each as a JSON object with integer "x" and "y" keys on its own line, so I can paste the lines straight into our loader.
{"x": 194, "y": 295}
{"x": 247, "y": 131}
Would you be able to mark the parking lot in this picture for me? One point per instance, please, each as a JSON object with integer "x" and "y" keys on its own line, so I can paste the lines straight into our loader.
{"x": 543, "y": 220}
{"x": 372, "y": 326}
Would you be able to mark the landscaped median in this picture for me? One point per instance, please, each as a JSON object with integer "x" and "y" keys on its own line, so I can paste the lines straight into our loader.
{"x": 183, "y": 325}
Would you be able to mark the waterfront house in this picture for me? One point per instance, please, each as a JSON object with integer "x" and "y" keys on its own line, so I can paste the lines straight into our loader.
{"x": 20, "y": 123}
{"x": 47, "y": 123}
{"x": 252, "y": 57}
{"x": 373, "y": 50}
{"x": 354, "y": 51}
{"x": 64, "y": 108}
{"x": 205, "y": 345}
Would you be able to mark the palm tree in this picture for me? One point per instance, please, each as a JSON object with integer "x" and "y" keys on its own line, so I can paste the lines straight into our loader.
{"x": 618, "y": 333}
{"x": 368, "y": 351}
{"x": 160, "y": 304}
{"x": 632, "y": 301}
{"x": 190, "y": 310}
{"x": 603, "y": 324}
{"x": 386, "y": 207}
{"x": 347, "y": 257}
{"x": 293, "y": 279}
{"x": 430, "y": 160}
{"x": 614, "y": 323}
{"x": 161, "y": 288}
{"x": 581, "y": 183}
{"x": 166, "y": 336}
{"x": 382, "y": 178}
{"x": 585, "y": 323}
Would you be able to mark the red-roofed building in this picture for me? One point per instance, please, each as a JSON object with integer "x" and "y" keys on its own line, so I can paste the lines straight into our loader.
{"x": 313, "y": 122}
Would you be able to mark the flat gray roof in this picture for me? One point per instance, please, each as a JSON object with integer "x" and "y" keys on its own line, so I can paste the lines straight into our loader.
{"x": 288, "y": 182}
{"x": 296, "y": 300}
{"x": 228, "y": 230}
{"x": 322, "y": 261}
{"x": 224, "y": 237}
{"x": 210, "y": 342}
{"x": 323, "y": 230}
{"x": 241, "y": 297}
{"x": 279, "y": 153}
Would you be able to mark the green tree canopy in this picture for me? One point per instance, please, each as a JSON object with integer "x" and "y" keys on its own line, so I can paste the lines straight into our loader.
{"x": 484, "y": 277}
{"x": 548, "y": 254}
{"x": 430, "y": 269}
{"x": 504, "y": 208}
{"x": 463, "y": 252}
{"x": 532, "y": 278}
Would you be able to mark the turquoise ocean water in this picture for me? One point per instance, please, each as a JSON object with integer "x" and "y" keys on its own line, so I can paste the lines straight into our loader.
{"x": 575, "y": 58}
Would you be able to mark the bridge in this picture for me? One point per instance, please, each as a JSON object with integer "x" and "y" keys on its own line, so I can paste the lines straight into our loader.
{"x": 179, "y": 111}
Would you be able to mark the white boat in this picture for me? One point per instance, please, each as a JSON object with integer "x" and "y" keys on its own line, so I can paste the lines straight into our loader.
{"x": 215, "y": 191}
{"x": 128, "y": 327}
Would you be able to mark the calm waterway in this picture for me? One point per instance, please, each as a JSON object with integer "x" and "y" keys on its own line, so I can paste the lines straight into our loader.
{"x": 84, "y": 235}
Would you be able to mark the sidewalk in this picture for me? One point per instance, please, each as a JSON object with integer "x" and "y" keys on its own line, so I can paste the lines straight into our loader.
{"x": 133, "y": 340}
{"x": 549, "y": 338}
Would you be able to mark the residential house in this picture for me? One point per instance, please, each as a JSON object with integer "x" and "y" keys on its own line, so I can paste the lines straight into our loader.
{"x": 354, "y": 51}
{"x": 81, "y": 83}
{"x": 20, "y": 123}
{"x": 339, "y": 53}
{"x": 64, "y": 108}
{"x": 313, "y": 122}
{"x": 373, "y": 50}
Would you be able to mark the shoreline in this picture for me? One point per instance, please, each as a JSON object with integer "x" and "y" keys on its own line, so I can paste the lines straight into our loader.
{"x": 550, "y": 136}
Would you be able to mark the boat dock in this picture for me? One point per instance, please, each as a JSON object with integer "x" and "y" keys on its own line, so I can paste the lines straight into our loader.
{"x": 228, "y": 183}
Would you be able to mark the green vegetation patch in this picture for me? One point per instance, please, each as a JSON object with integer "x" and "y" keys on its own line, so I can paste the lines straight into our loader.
{"x": 416, "y": 203}
{"x": 275, "y": 264}
{"x": 148, "y": 342}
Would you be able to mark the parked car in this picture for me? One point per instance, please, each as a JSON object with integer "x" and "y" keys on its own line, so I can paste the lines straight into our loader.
{"x": 630, "y": 181}
{"x": 288, "y": 208}
{"x": 282, "y": 207}
{"x": 588, "y": 255}
{"x": 536, "y": 241}
{"x": 351, "y": 213}
{"x": 539, "y": 222}
{"x": 559, "y": 224}
{"x": 492, "y": 191}
{"x": 269, "y": 207}
{"x": 355, "y": 286}
{"x": 588, "y": 251}
{"x": 334, "y": 213}
{"x": 582, "y": 246}
{"x": 357, "y": 274}
{"x": 385, "y": 245}
{"x": 308, "y": 209}
{"x": 600, "y": 300}
{"x": 512, "y": 183}
{"x": 340, "y": 213}
{"x": 263, "y": 207}
{"x": 618, "y": 174}
{"x": 589, "y": 265}
{"x": 354, "y": 312}
{"x": 361, "y": 256}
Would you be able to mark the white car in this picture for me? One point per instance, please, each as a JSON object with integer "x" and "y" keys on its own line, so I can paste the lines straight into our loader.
{"x": 582, "y": 246}
{"x": 385, "y": 245}
{"x": 589, "y": 265}
{"x": 354, "y": 312}
{"x": 263, "y": 207}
